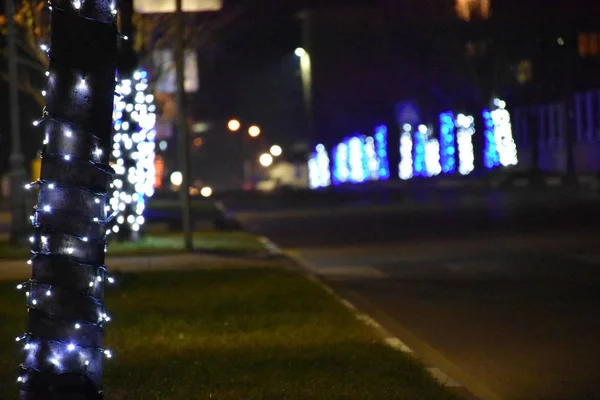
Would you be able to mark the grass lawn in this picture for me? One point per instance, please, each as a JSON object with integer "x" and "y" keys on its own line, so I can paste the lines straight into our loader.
{"x": 238, "y": 241}
{"x": 234, "y": 334}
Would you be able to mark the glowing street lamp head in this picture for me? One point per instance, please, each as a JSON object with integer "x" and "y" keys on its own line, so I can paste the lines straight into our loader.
{"x": 275, "y": 150}
{"x": 254, "y": 131}
{"x": 176, "y": 178}
{"x": 234, "y": 125}
{"x": 265, "y": 160}
{"x": 300, "y": 52}
{"x": 206, "y": 191}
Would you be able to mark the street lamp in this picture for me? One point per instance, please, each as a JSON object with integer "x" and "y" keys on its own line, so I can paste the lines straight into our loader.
{"x": 254, "y": 131}
{"x": 234, "y": 125}
{"x": 276, "y": 150}
{"x": 265, "y": 159}
{"x": 300, "y": 52}
{"x": 307, "y": 91}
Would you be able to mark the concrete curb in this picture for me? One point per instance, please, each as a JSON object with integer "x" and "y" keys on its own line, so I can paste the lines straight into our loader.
{"x": 18, "y": 269}
{"x": 389, "y": 339}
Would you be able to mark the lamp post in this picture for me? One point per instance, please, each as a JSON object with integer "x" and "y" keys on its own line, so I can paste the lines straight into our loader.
{"x": 18, "y": 175}
{"x": 307, "y": 87}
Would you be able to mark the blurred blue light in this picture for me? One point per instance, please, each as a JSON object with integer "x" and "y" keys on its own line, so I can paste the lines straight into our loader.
{"x": 447, "y": 143}
{"x": 381, "y": 133}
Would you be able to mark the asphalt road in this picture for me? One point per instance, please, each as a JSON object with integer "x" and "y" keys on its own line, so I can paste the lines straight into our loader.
{"x": 502, "y": 293}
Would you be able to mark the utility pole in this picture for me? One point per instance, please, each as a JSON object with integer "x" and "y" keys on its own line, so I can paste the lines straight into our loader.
{"x": 182, "y": 130}
{"x": 18, "y": 175}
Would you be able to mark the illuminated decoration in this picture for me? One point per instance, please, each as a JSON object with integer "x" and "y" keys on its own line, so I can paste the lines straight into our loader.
{"x": 465, "y": 129}
{"x": 356, "y": 160}
{"x": 319, "y": 174}
{"x": 159, "y": 170}
{"x": 500, "y": 148}
{"x": 381, "y": 133}
{"x": 420, "y": 140}
{"x": 370, "y": 159}
{"x": 466, "y": 9}
{"x": 63, "y": 350}
{"x": 133, "y": 153}
{"x": 405, "y": 168}
{"x": 432, "y": 157}
{"x": 447, "y": 145}
{"x": 341, "y": 169}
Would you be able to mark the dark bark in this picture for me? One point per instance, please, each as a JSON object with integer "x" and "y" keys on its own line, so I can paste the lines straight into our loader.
{"x": 65, "y": 295}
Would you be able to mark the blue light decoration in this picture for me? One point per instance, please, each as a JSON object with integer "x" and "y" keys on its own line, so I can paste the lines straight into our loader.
{"x": 133, "y": 150}
{"x": 341, "y": 169}
{"x": 465, "y": 129}
{"x": 381, "y": 133}
{"x": 500, "y": 148}
{"x": 447, "y": 143}
{"x": 420, "y": 141}
{"x": 356, "y": 157}
{"x": 405, "y": 167}
{"x": 370, "y": 159}
{"x": 318, "y": 168}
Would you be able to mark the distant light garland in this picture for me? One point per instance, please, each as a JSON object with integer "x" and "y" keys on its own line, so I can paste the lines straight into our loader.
{"x": 133, "y": 151}
{"x": 500, "y": 148}
{"x": 319, "y": 174}
{"x": 66, "y": 318}
{"x": 464, "y": 137}
{"x": 405, "y": 167}
{"x": 447, "y": 143}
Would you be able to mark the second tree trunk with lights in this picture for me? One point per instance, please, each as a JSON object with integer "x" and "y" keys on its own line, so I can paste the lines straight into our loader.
{"x": 65, "y": 296}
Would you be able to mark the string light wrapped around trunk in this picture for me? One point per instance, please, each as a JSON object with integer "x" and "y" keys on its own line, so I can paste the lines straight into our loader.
{"x": 65, "y": 295}
{"x": 133, "y": 152}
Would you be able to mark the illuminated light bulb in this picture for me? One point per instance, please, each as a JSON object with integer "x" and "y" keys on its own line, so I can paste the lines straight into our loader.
{"x": 70, "y": 250}
{"x": 120, "y": 219}
{"x": 51, "y": 186}
{"x": 71, "y": 347}
{"x": 96, "y": 219}
{"x": 125, "y": 37}
{"x": 44, "y": 239}
{"x": 27, "y": 346}
{"x": 34, "y": 302}
{"x": 31, "y": 239}
{"x": 135, "y": 227}
{"x": 77, "y": 4}
{"x": 99, "y": 279}
{"x": 98, "y": 152}
{"x": 20, "y": 379}
{"x": 77, "y": 326}
{"x": 68, "y": 133}
{"x": 111, "y": 279}
{"x": 48, "y": 293}
{"x": 46, "y": 140}
{"x": 29, "y": 262}
{"x": 36, "y": 123}
{"x": 44, "y": 47}
{"x": 107, "y": 318}
{"x": 47, "y": 73}
{"x": 86, "y": 363}
{"x": 43, "y": 93}
{"x": 27, "y": 186}
{"x": 85, "y": 239}
{"x": 27, "y": 294}
{"x": 107, "y": 353}
{"x": 67, "y": 157}
{"x": 115, "y": 229}
{"x": 97, "y": 201}
{"x": 91, "y": 284}
{"x": 20, "y": 286}
{"x": 55, "y": 361}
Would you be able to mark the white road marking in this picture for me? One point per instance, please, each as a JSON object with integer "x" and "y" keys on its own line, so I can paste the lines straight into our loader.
{"x": 397, "y": 344}
{"x": 442, "y": 378}
{"x": 369, "y": 321}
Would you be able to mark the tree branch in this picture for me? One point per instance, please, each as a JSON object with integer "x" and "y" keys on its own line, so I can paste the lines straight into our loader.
{"x": 27, "y": 88}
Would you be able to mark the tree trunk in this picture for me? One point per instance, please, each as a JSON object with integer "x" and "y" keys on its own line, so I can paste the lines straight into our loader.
{"x": 63, "y": 343}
